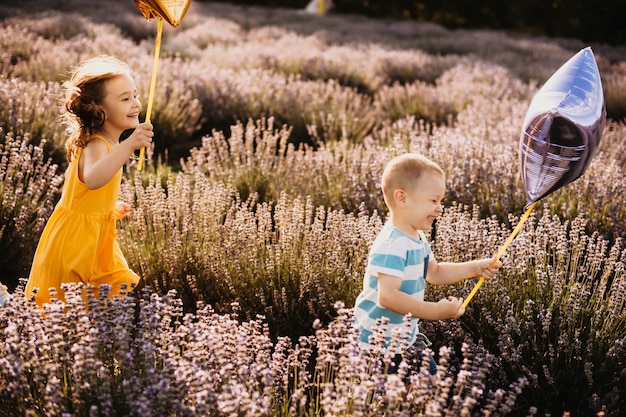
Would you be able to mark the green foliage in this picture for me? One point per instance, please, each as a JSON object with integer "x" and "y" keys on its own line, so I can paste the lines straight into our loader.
{"x": 287, "y": 261}
{"x": 331, "y": 111}
{"x": 419, "y": 100}
{"x": 32, "y": 110}
{"x": 557, "y": 315}
{"x": 144, "y": 356}
{"x": 29, "y": 185}
{"x": 614, "y": 85}
{"x": 258, "y": 159}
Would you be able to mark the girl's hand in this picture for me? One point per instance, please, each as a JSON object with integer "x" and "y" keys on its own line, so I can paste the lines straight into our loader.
{"x": 121, "y": 210}
{"x": 141, "y": 136}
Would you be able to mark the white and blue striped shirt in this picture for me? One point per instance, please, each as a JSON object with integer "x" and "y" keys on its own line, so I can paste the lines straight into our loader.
{"x": 398, "y": 254}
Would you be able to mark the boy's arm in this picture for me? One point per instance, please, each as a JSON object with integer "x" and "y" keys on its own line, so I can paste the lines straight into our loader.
{"x": 452, "y": 272}
{"x": 391, "y": 298}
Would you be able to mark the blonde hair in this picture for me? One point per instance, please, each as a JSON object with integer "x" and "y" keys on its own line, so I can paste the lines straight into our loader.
{"x": 404, "y": 171}
{"x": 84, "y": 114}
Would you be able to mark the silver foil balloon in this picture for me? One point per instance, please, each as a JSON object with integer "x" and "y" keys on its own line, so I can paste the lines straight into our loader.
{"x": 563, "y": 126}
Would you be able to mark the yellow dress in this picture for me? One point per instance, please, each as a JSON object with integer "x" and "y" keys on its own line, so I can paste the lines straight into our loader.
{"x": 79, "y": 242}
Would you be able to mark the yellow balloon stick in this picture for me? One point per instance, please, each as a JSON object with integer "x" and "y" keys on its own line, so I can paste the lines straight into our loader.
{"x": 321, "y": 9}
{"x": 502, "y": 250}
{"x": 157, "y": 48}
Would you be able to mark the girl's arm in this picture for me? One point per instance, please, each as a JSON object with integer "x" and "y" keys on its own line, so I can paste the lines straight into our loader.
{"x": 98, "y": 166}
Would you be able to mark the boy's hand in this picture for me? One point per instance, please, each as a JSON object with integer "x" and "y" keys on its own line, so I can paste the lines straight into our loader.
{"x": 488, "y": 267}
{"x": 451, "y": 308}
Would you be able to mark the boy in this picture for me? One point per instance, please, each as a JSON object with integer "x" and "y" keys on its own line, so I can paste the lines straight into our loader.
{"x": 400, "y": 260}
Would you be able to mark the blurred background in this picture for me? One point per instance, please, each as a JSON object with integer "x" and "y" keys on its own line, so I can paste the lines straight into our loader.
{"x": 597, "y": 21}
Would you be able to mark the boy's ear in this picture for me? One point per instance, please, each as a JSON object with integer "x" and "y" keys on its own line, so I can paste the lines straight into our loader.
{"x": 399, "y": 197}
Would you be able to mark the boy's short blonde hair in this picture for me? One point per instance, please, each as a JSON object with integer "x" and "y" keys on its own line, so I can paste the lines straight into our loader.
{"x": 404, "y": 171}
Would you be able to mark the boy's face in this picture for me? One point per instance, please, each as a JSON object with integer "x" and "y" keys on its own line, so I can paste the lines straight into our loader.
{"x": 422, "y": 203}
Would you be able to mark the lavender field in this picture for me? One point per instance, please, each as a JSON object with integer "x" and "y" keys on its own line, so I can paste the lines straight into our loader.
{"x": 254, "y": 214}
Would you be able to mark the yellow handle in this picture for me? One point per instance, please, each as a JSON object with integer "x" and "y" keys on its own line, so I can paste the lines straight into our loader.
{"x": 157, "y": 48}
{"x": 321, "y": 10}
{"x": 502, "y": 250}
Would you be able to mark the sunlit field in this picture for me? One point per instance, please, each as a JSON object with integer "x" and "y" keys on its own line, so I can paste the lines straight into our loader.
{"x": 255, "y": 211}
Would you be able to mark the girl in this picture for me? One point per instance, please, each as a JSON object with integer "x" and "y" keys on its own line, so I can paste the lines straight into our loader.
{"x": 79, "y": 243}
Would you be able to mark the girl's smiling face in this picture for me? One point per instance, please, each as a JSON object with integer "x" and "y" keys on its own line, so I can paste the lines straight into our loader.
{"x": 121, "y": 104}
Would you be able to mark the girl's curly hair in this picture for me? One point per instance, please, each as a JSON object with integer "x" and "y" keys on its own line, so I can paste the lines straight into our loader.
{"x": 84, "y": 92}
